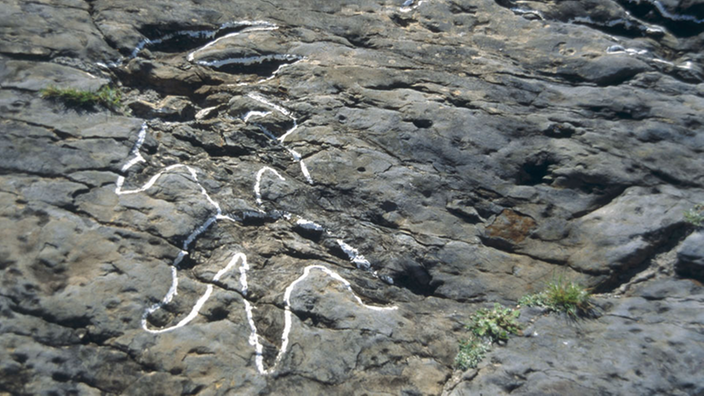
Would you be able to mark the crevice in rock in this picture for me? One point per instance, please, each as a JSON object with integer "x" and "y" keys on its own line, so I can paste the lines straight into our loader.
{"x": 304, "y": 255}
{"x": 679, "y": 25}
{"x": 672, "y": 180}
{"x": 660, "y": 241}
{"x": 63, "y": 135}
{"x": 461, "y": 103}
{"x": 77, "y": 322}
{"x": 400, "y": 20}
{"x": 316, "y": 319}
{"x": 559, "y": 131}
{"x": 262, "y": 66}
{"x": 174, "y": 38}
{"x": 253, "y": 218}
{"x": 605, "y": 194}
{"x": 226, "y": 150}
{"x": 619, "y": 27}
{"x": 28, "y": 57}
{"x": 359, "y": 40}
{"x": 625, "y": 26}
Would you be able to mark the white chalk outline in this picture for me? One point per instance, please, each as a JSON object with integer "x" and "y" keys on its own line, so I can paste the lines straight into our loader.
{"x": 280, "y": 140}
{"x": 619, "y": 49}
{"x": 408, "y": 5}
{"x": 253, "y": 26}
{"x": 260, "y": 173}
{"x": 136, "y": 157}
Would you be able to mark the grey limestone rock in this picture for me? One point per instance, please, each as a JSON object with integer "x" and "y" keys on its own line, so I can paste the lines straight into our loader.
{"x": 313, "y": 197}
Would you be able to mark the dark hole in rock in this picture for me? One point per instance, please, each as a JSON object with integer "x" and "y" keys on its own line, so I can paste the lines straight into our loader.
{"x": 360, "y": 169}
{"x": 401, "y": 20}
{"x": 19, "y": 357}
{"x": 432, "y": 26}
{"x": 415, "y": 278}
{"x": 559, "y": 131}
{"x": 359, "y": 40}
{"x": 60, "y": 377}
{"x": 389, "y": 206}
{"x": 252, "y": 218}
{"x": 98, "y": 338}
{"x": 188, "y": 262}
{"x": 423, "y": 123}
{"x": 534, "y": 170}
{"x": 75, "y": 322}
{"x": 312, "y": 233}
{"x": 217, "y": 314}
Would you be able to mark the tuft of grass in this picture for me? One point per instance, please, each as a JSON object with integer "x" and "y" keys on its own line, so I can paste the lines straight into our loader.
{"x": 561, "y": 296}
{"x": 486, "y": 327}
{"x": 695, "y": 216}
{"x": 106, "y": 96}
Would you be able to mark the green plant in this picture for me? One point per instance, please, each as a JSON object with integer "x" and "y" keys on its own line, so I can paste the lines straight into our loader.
{"x": 695, "y": 215}
{"x": 495, "y": 324}
{"x": 471, "y": 352}
{"x": 105, "y": 96}
{"x": 486, "y": 327}
{"x": 561, "y": 296}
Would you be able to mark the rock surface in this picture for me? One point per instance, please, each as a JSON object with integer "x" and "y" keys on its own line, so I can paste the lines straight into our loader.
{"x": 313, "y": 197}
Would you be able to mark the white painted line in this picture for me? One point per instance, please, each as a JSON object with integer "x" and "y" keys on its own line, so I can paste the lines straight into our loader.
{"x": 240, "y": 258}
{"x": 354, "y": 255}
{"x": 257, "y": 192}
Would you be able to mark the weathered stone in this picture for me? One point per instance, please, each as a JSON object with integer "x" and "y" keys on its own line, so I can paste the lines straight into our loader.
{"x": 385, "y": 168}
{"x": 690, "y": 257}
